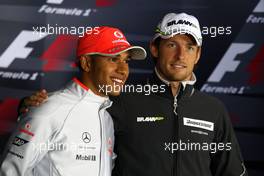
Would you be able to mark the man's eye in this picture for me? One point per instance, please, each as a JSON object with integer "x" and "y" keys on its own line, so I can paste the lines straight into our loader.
{"x": 114, "y": 59}
{"x": 127, "y": 60}
{"x": 171, "y": 45}
{"x": 191, "y": 48}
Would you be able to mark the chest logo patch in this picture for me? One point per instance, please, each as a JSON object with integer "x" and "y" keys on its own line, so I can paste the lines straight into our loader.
{"x": 198, "y": 123}
{"x": 149, "y": 119}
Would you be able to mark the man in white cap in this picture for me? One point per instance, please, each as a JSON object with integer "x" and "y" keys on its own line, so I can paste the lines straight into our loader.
{"x": 72, "y": 133}
{"x": 180, "y": 131}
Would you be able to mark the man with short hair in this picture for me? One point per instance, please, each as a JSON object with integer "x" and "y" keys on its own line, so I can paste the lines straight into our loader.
{"x": 180, "y": 131}
{"x": 72, "y": 133}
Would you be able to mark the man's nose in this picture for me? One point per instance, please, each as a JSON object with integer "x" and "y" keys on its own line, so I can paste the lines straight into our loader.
{"x": 181, "y": 52}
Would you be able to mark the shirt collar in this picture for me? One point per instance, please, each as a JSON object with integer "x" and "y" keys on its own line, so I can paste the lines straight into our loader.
{"x": 80, "y": 89}
{"x": 183, "y": 83}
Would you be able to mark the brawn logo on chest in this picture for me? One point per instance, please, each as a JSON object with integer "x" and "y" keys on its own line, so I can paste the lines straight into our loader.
{"x": 150, "y": 119}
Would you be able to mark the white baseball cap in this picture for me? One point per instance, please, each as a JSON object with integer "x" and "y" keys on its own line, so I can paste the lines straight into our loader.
{"x": 180, "y": 23}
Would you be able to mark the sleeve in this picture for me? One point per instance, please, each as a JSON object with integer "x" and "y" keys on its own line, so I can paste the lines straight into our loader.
{"x": 228, "y": 162}
{"x": 27, "y": 146}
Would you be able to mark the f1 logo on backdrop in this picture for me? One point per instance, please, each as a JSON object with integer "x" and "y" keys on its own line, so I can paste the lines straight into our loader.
{"x": 53, "y": 58}
{"x": 232, "y": 77}
{"x": 14, "y": 76}
{"x": 227, "y": 65}
{"x": 240, "y": 70}
{"x": 228, "y": 62}
{"x": 17, "y": 49}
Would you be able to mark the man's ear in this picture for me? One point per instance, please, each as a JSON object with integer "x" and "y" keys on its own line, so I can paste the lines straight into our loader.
{"x": 153, "y": 49}
{"x": 85, "y": 63}
{"x": 198, "y": 54}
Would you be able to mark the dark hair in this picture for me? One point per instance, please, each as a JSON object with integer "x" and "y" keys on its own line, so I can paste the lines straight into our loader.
{"x": 78, "y": 63}
{"x": 156, "y": 43}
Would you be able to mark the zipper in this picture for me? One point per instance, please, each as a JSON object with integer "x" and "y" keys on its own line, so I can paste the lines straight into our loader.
{"x": 176, "y": 132}
{"x": 178, "y": 163}
{"x": 175, "y": 104}
{"x": 175, "y": 136}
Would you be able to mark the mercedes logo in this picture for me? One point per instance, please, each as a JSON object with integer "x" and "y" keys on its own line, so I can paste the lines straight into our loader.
{"x": 86, "y": 137}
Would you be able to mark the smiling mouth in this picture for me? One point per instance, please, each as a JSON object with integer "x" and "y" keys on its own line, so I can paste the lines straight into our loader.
{"x": 117, "y": 80}
{"x": 178, "y": 66}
